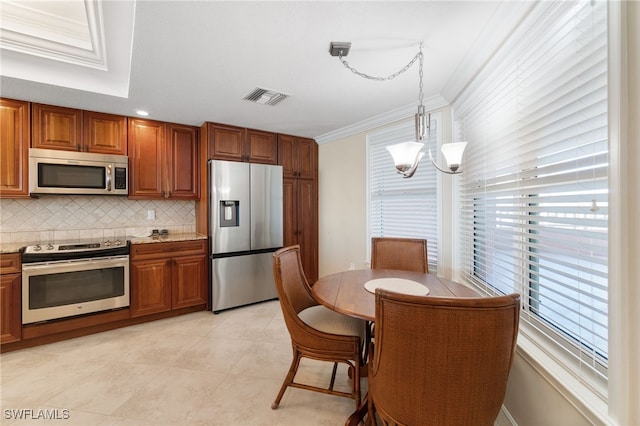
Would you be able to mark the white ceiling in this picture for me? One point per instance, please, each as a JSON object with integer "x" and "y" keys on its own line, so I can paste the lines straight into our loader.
{"x": 194, "y": 61}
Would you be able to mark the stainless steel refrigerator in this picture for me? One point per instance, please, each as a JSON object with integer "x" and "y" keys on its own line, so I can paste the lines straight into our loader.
{"x": 245, "y": 225}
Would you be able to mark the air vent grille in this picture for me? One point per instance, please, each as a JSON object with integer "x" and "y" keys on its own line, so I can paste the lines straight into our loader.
{"x": 265, "y": 97}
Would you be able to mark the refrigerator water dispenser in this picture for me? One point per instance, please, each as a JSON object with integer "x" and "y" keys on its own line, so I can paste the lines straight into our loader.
{"x": 229, "y": 213}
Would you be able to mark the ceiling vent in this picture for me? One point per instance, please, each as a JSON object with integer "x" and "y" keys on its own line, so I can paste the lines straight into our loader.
{"x": 265, "y": 97}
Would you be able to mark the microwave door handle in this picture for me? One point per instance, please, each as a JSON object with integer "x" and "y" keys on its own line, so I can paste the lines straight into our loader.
{"x": 109, "y": 177}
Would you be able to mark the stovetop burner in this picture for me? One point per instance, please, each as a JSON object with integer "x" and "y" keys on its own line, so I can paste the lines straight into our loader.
{"x": 74, "y": 250}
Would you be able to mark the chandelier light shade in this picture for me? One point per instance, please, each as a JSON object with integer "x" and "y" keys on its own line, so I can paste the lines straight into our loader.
{"x": 407, "y": 155}
{"x": 453, "y": 153}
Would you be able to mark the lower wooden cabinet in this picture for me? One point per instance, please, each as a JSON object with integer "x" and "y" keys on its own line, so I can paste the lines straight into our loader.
{"x": 10, "y": 292}
{"x": 167, "y": 276}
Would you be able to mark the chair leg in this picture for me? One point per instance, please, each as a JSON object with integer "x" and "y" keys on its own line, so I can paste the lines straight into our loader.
{"x": 371, "y": 414}
{"x": 295, "y": 362}
{"x": 358, "y": 416}
{"x": 333, "y": 375}
{"x": 356, "y": 382}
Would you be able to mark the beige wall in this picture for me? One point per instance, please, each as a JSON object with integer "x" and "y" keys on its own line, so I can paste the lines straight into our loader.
{"x": 342, "y": 203}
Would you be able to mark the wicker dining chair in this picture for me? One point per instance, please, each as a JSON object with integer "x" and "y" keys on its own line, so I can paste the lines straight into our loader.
{"x": 441, "y": 361}
{"x": 316, "y": 332}
{"x": 408, "y": 254}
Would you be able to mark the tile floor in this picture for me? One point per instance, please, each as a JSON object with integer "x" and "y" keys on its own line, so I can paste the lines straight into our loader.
{"x": 195, "y": 369}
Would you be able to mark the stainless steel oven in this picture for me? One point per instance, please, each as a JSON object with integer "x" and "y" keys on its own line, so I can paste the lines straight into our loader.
{"x": 70, "y": 279}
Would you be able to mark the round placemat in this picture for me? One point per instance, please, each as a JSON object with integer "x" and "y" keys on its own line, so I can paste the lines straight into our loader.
{"x": 399, "y": 285}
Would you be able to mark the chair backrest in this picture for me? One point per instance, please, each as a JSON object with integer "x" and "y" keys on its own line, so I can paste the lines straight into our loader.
{"x": 295, "y": 296}
{"x": 291, "y": 282}
{"x": 408, "y": 254}
{"x": 442, "y": 360}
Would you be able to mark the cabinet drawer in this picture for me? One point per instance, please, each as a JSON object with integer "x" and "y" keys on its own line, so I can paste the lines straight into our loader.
{"x": 10, "y": 263}
{"x": 176, "y": 248}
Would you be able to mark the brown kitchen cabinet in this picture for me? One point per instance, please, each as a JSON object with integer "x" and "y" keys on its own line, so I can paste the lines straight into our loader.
{"x": 300, "y": 198}
{"x": 104, "y": 133}
{"x": 14, "y": 148}
{"x": 163, "y": 160}
{"x": 167, "y": 276}
{"x": 68, "y": 129}
{"x": 299, "y": 159}
{"x": 10, "y": 298}
{"x": 298, "y": 156}
{"x": 239, "y": 144}
{"x": 183, "y": 171}
{"x": 262, "y": 147}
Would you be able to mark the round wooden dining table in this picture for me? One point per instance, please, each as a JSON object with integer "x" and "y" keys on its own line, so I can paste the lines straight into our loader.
{"x": 345, "y": 292}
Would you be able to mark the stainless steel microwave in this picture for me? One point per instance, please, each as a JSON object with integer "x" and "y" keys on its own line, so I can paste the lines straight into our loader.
{"x": 68, "y": 172}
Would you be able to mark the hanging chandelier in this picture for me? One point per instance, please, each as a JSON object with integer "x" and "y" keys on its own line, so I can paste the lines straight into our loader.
{"x": 407, "y": 155}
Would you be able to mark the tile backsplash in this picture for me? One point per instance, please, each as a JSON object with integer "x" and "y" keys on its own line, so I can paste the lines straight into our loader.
{"x": 64, "y": 217}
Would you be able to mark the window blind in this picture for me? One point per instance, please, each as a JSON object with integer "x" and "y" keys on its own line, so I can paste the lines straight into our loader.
{"x": 400, "y": 207}
{"x": 534, "y": 187}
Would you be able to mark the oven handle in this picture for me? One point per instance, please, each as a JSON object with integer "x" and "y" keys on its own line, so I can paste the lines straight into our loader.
{"x": 73, "y": 264}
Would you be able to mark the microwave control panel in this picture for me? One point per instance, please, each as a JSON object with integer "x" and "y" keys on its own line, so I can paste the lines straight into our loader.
{"x": 120, "y": 178}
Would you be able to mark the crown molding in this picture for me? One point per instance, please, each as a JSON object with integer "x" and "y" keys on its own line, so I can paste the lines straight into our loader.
{"x": 402, "y": 113}
{"x": 26, "y": 29}
{"x": 57, "y": 56}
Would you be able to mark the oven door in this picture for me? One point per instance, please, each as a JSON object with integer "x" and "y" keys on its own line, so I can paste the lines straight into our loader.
{"x": 66, "y": 288}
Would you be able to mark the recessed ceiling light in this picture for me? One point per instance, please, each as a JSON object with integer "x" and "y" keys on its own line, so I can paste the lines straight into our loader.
{"x": 142, "y": 113}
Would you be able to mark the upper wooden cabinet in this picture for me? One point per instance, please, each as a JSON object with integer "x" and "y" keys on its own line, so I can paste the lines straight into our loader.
{"x": 146, "y": 159}
{"x": 183, "y": 154}
{"x": 163, "y": 160}
{"x": 223, "y": 142}
{"x": 262, "y": 147}
{"x": 298, "y": 156}
{"x": 68, "y": 129}
{"x": 14, "y": 149}
{"x": 239, "y": 144}
{"x": 56, "y": 127}
{"x": 105, "y": 133}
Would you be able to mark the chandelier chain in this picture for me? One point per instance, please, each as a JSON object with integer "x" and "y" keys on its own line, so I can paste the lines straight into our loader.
{"x": 390, "y": 77}
{"x": 420, "y": 95}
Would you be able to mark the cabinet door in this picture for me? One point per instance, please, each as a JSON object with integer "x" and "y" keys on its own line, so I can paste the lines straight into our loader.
{"x": 150, "y": 286}
{"x": 146, "y": 159}
{"x": 105, "y": 133}
{"x": 225, "y": 142}
{"x": 189, "y": 281}
{"x": 307, "y": 229}
{"x": 287, "y": 155}
{"x": 184, "y": 165}
{"x": 300, "y": 220}
{"x": 298, "y": 156}
{"x": 54, "y": 127}
{"x": 307, "y": 153}
{"x": 289, "y": 211}
{"x": 262, "y": 147}
{"x": 14, "y": 149}
{"x": 10, "y": 320}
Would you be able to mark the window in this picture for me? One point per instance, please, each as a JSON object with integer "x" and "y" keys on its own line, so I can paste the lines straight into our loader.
{"x": 400, "y": 207}
{"x": 534, "y": 192}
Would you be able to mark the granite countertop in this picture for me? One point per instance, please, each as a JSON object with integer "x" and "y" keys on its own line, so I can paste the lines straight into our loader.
{"x": 168, "y": 238}
{"x": 15, "y": 247}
